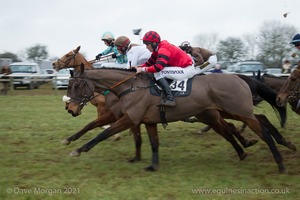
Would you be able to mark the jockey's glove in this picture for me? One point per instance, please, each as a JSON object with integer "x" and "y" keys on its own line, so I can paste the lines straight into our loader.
{"x": 114, "y": 55}
{"x": 98, "y": 56}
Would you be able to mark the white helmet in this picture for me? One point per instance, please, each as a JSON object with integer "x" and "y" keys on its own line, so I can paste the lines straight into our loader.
{"x": 107, "y": 36}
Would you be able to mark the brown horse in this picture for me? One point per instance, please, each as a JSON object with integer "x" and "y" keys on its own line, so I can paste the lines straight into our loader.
{"x": 277, "y": 83}
{"x": 210, "y": 97}
{"x": 111, "y": 111}
{"x": 290, "y": 91}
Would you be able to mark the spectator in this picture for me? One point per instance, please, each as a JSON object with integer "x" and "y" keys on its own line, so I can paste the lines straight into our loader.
{"x": 217, "y": 69}
{"x": 5, "y": 71}
{"x": 286, "y": 67}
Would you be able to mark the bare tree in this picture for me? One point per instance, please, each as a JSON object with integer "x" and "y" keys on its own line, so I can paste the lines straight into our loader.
{"x": 207, "y": 41}
{"x": 273, "y": 42}
{"x": 251, "y": 42}
{"x": 37, "y": 52}
{"x": 231, "y": 49}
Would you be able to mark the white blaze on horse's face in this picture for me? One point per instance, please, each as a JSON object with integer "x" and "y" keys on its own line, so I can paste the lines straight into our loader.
{"x": 66, "y": 99}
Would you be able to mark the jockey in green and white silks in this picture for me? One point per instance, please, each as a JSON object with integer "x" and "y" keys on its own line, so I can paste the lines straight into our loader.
{"x": 121, "y": 60}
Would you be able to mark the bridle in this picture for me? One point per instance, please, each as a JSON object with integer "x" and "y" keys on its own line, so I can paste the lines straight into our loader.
{"x": 85, "y": 99}
{"x": 66, "y": 64}
{"x": 104, "y": 91}
{"x": 294, "y": 94}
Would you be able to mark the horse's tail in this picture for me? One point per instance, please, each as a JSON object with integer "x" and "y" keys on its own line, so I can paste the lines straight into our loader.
{"x": 267, "y": 94}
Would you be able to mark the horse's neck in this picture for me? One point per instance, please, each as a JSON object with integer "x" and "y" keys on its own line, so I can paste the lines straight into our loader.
{"x": 111, "y": 77}
{"x": 81, "y": 60}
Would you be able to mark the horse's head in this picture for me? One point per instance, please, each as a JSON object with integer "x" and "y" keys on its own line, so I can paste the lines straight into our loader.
{"x": 73, "y": 59}
{"x": 80, "y": 91}
{"x": 290, "y": 91}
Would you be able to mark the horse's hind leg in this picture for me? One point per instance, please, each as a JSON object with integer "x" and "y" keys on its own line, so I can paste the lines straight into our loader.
{"x": 274, "y": 132}
{"x": 245, "y": 142}
{"x": 265, "y": 135}
{"x": 218, "y": 124}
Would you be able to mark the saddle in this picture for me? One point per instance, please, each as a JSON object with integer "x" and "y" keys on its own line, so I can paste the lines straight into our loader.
{"x": 180, "y": 88}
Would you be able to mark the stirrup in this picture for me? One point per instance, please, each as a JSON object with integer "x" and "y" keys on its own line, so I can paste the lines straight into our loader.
{"x": 168, "y": 103}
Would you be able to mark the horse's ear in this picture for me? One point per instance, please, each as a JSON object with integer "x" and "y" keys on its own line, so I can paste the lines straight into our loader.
{"x": 77, "y": 49}
{"x": 72, "y": 73}
{"x": 258, "y": 75}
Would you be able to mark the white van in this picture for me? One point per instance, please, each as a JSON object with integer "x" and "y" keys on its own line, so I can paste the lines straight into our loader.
{"x": 26, "y": 74}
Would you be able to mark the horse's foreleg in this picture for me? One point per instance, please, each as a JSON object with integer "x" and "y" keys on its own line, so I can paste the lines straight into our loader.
{"x": 104, "y": 119}
{"x": 120, "y": 125}
{"x": 136, "y": 130}
{"x": 153, "y": 138}
{"x": 274, "y": 132}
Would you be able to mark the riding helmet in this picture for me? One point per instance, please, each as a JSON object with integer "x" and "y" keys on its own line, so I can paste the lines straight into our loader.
{"x": 107, "y": 36}
{"x": 122, "y": 41}
{"x": 296, "y": 39}
{"x": 151, "y": 36}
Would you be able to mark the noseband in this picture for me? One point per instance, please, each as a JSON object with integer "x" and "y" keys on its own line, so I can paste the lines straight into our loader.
{"x": 66, "y": 64}
{"x": 85, "y": 99}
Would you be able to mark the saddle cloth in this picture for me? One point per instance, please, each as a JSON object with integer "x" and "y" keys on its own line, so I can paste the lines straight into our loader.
{"x": 180, "y": 88}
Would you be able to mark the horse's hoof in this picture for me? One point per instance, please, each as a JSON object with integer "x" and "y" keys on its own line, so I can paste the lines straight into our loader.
{"x": 291, "y": 146}
{"x": 282, "y": 170}
{"x": 200, "y": 132}
{"x": 242, "y": 157}
{"x": 134, "y": 160}
{"x": 75, "y": 153}
{"x": 65, "y": 142}
{"x": 151, "y": 168}
{"x": 251, "y": 143}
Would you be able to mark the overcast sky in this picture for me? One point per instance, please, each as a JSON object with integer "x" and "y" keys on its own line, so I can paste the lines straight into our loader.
{"x": 62, "y": 25}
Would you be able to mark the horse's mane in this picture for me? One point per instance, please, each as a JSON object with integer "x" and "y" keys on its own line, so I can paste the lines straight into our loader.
{"x": 119, "y": 69}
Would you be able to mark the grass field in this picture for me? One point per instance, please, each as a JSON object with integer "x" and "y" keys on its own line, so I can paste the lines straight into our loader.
{"x": 34, "y": 164}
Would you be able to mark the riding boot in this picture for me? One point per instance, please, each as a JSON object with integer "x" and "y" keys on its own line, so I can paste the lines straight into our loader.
{"x": 169, "y": 100}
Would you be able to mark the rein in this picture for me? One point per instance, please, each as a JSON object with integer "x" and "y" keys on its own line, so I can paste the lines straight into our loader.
{"x": 123, "y": 81}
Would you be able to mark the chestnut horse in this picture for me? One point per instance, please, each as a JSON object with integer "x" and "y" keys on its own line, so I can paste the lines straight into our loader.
{"x": 290, "y": 91}
{"x": 210, "y": 97}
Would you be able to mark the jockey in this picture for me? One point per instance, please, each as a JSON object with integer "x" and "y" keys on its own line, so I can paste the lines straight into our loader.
{"x": 296, "y": 41}
{"x": 166, "y": 62}
{"x": 121, "y": 60}
{"x": 136, "y": 54}
{"x": 202, "y": 57}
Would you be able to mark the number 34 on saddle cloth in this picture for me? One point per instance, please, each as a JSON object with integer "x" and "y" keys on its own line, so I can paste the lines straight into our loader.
{"x": 180, "y": 88}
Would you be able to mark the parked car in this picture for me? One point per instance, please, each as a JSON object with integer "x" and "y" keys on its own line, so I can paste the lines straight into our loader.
{"x": 46, "y": 72}
{"x": 274, "y": 71}
{"x": 61, "y": 80}
{"x": 246, "y": 67}
{"x": 26, "y": 74}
